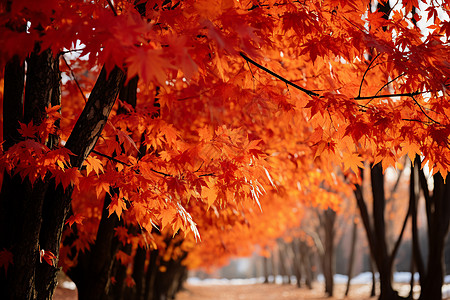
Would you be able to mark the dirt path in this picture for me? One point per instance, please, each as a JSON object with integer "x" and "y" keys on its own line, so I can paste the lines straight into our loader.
{"x": 267, "y": 292}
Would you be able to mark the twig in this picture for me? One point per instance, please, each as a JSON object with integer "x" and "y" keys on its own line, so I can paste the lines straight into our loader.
{"x": 112, "y": 7}
{"x": 308, "y": 92}
{"x": 75, "y": 79}
{"x": 70, "y": 51}
{"x": 367, "y": 70}
{"x": 376, "y": 96}
{"x": 389, "y": 95}
{"x": 127, "y": 164}
{"x": 385, "y": 85}
{"x": 111, "y": 158}
{"x": 421, "y": 108}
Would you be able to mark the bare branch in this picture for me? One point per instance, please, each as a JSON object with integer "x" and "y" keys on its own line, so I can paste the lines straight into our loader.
{"x": 364, "y": 75}
{"x": 74, "y": 78}
{"x": 421, "y": 108}
{"x": 112, "y": 7}
{"x": 308, "y": 92}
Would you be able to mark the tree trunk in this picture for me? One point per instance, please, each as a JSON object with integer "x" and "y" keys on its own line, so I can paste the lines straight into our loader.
{"x": 376, "y": 235}
{"x": 438, "y": 215}
{"x": 305, "y": 256}
{"x": 285, "y": 276}
{"x": 139, "y": 272}
{"x": 297, "y": 263}
{"x": 38, "y": 212}
{"x": 329, "y": 255}
{"x": 93, "y": 271}
{"x": 14, "y": 83}
{"x": 273, "y": 265}
{"x": 374, "y": 279}
{"x": 22, "y": 202}
{"x": 265, "y": 263}
{"x": 351, "y": 258}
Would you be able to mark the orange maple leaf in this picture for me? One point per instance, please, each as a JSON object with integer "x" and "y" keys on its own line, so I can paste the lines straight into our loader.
{"x": 68, "y": 176}
{"x": 48, "y": 256}
{"x": 353, "y": 161}
{"x": 76, "y": 218}
{"x": 93, "y": 164}
{"x": 167, "y": 216}
{"x": 117, "y": 205}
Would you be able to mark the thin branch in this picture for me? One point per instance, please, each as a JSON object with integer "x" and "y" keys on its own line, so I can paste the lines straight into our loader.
{"x": 311, "y": 93}
{"x": 389, "y": 95}
{"x": 112, "y": 7}
{"x": 74, "y": 78}
{"x": 137, "y": 172}
{"x": 385, "y": 85}
{"x": 365, "y": 73}
{"x": 418, "y": 121}
{"x": 390, "y": 81}
{"x": 207, "y": 174}
{"x": 421, "y": 108}
{"x": 376, "y": 96}
{"x": 70, "y": 51}
{"x": 308, "y": 92}
{"x": 111, "y": 158}
{"x": 199, "y": 167}
{"x": 127, "y": 164}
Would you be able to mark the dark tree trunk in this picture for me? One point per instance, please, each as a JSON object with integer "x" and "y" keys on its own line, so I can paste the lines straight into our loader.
{"x": 93, "y": 271}
{"x": 14, "y": 83}
{"x": 351, "y": 258}
{"x": 150, "y": 277}
{"x": 273, "y": 265}
{"x": 265, "y": 263}
{"x": 21, "y": 202}
{"x": 38, "y": 212}
{"x": 438, "y": 215}
{"x": 119, "y": 290}
{"x": 374, "y": 279}
{"x": 297, "y": 262}
{"x": 328, "y": 260}
{"x": 306, "y": 258}
{"x": 376, "y": 233}
{"x": 139, "y": 272}
{"x": 285, "y": 276}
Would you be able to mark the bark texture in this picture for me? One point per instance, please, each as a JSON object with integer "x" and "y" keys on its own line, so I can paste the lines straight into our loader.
{"x": 33, "y": 215}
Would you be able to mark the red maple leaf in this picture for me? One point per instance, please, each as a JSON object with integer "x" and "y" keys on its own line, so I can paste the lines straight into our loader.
{"x": 6, "y": 259}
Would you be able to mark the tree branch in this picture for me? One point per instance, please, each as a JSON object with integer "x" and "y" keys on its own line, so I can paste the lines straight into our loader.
{"x": 311, "y": 93}
{"x": 308, "y": 92}
{"x": 421, "y": 108}
{"x": 365, "y": 73}
{"x": 74, "y": 78}
{"x": 111, "y": 158}
{"x": 112, "y": 7}
{"x": 94, "y": 116}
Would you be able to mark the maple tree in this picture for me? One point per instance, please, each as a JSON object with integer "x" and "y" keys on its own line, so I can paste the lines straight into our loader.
{"x": 219, "y": 103}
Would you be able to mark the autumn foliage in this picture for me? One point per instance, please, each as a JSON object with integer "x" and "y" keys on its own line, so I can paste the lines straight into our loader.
{"x": 231, "y": 117}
